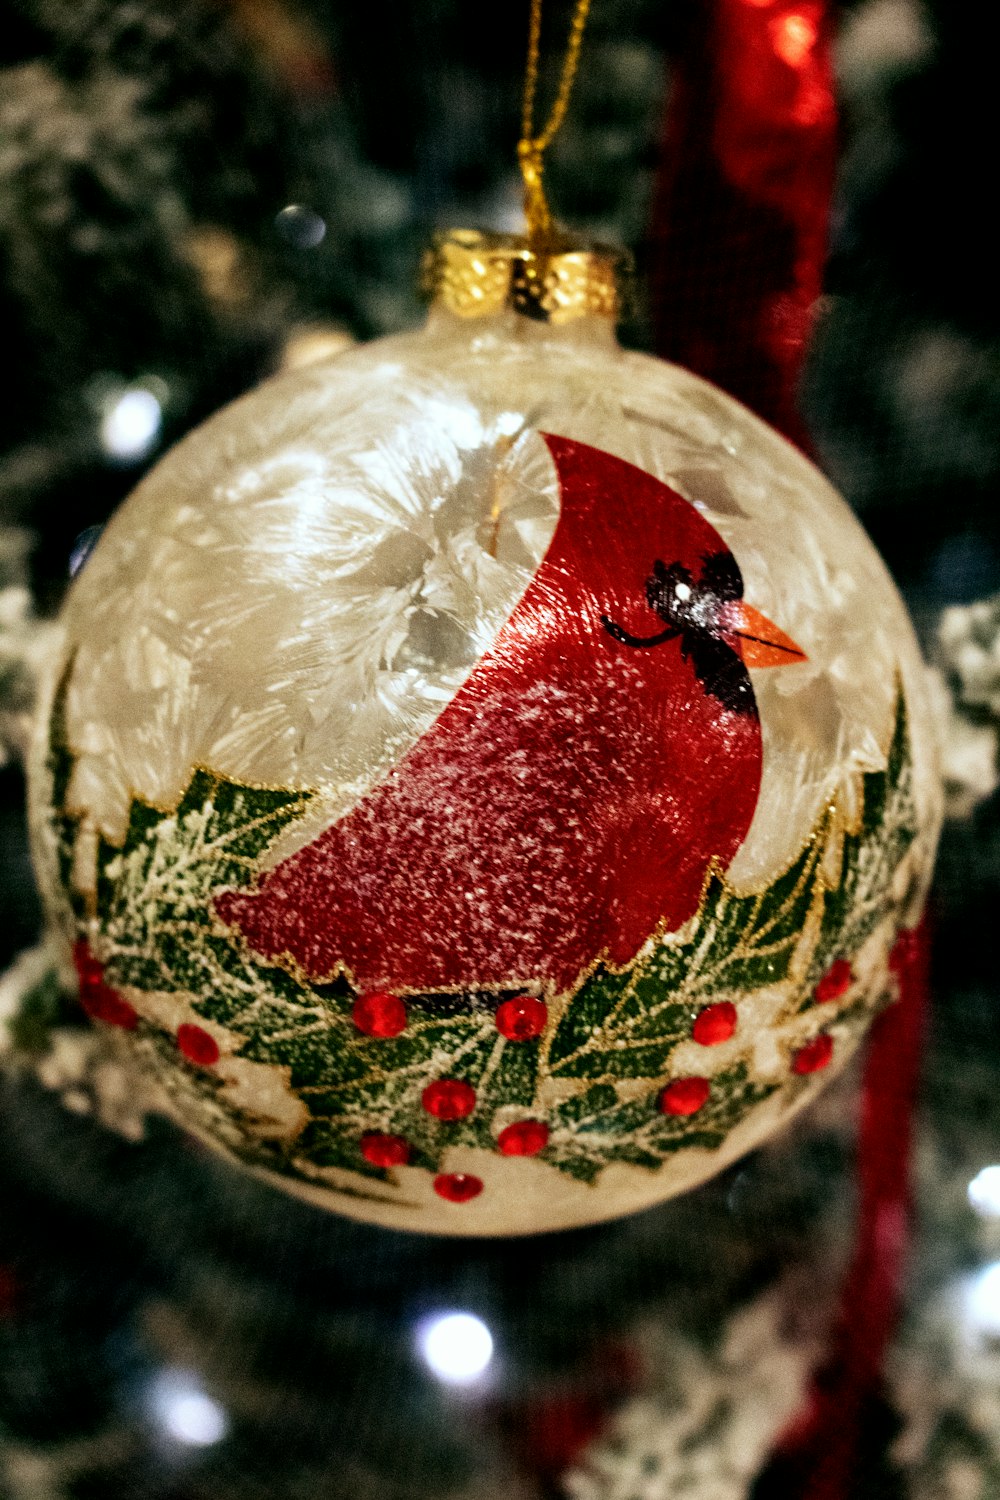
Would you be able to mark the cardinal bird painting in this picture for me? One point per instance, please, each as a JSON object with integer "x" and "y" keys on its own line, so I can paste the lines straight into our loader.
{"x": 569, "y": 800}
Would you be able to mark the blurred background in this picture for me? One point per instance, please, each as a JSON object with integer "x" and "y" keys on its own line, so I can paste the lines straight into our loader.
{"x": 192, "y": 196}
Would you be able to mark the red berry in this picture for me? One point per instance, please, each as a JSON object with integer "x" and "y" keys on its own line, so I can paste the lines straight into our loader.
{"x": 714, "y": 1024}
{"x": 98, "y": 1000}
{"x": 522, "y": 1018}
{"x": 685, "y": 1096}
{"x": 523, "y": 1138}
{"x": 457, "y": 1187}
{"x": 835, "y": 982}
{"x": 198, "y": 1045}
{"x": 102, "y": 1003}
{"x": 113, "y": 1008}
{"x": 449, "y": 1099}
{"x": 385, "y": 1150}
{"x": 814, "y": 1055}
{"x": 379, "y": 1014}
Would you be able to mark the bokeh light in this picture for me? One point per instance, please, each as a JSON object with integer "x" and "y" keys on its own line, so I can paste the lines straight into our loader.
{"x": 456, "y": 1346}
{"x": 131, "y": 424}
{"x": 82, "y": 548}
{"x": 984, "y": 1193}
{"x": 184, "y": 1411}
{"x": 301, "y": 227}
{"x": 982, "y": 1302}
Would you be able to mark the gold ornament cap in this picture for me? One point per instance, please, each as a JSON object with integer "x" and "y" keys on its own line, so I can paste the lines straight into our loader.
{"x": 475, "y": 274}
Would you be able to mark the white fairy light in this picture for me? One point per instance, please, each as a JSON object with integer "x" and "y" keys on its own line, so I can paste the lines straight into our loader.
{"x": 456, "y": 1346}
{"x": 185, "y": 1412}
{"x": 982, "y": 1301}
{"x": 984, "y": 1193}
{"x": 131, "y": 424}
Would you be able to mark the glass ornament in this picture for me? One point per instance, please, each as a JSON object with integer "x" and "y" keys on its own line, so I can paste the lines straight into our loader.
{"x": 487, "y": 772}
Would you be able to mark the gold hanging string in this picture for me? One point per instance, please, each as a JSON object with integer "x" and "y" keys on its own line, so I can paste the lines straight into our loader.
{"x": 531, "y": 147}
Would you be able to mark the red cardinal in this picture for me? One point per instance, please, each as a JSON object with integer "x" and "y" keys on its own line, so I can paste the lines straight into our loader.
{"x": 573, "y": 793}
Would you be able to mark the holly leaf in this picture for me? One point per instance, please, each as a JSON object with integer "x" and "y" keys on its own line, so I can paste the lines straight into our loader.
{"x": 597, "y": 1127}
{"x": 353, "y": 1084}
{"x": 155, "y": 890}
{"x": 625, "y": 1025}
{"x": 862, "y": 896}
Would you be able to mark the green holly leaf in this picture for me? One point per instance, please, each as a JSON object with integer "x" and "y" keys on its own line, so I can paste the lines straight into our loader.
{"x": 155, "y": 890}
{"x": 598, "y": 1127}
{"x": 354, "y": 1084}
{"x": 862, "y": 896}
{"x": 625, "y": 1025}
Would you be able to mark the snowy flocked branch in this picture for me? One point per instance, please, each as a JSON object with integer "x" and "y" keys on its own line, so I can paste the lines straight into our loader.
{"x": 966, "y": 693}
{"x": 25, "y": 643}
{"x": 716, "y": 1414}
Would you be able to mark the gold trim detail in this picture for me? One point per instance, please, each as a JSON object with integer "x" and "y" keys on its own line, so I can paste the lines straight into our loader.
{"x": 475, "y": 274}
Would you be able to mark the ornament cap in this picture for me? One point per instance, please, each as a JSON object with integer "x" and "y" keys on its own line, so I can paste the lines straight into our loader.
{"x": 477, "y": 274}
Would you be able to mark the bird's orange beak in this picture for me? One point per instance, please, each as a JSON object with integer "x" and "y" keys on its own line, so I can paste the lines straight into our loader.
{"x": 756, "y": 639}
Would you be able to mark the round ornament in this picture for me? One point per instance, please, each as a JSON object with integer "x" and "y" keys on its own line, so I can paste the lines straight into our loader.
{"x": 487, "y": 772}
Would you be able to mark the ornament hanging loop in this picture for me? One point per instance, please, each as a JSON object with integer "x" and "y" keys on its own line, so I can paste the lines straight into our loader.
{"x": 532, "y": 147}
{"x": 536, "y": 205}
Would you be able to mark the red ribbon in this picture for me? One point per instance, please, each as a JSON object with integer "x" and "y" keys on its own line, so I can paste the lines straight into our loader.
{"x": 820, "y": 1456}
{"x": 740, "y": 224}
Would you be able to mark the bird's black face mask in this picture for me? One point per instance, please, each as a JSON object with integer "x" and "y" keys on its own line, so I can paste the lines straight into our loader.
{"x": 695, "y": 611}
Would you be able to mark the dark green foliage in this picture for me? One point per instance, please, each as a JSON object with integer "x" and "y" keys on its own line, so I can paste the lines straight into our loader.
{"x": 43, "y": 1007}
{"x": 353, "y": 1084}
